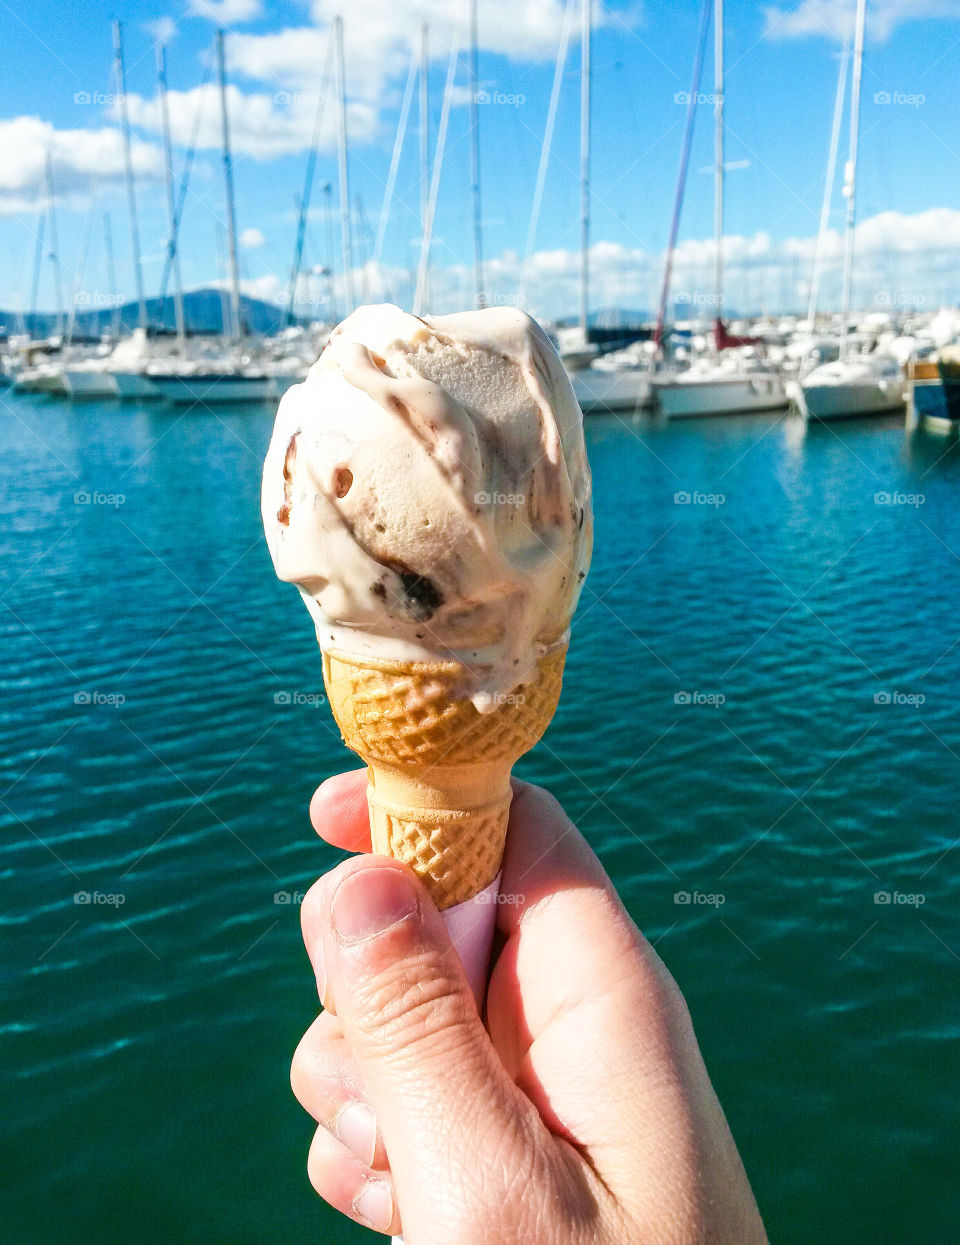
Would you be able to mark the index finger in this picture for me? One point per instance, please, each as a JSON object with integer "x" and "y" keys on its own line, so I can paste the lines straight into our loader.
{"x": 338, "y": 811}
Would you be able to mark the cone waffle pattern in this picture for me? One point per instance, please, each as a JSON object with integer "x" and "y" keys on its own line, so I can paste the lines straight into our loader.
{"x": 456, "y": 854}
{"x": 421, "y": 737}
{"x": 417, "y": 714}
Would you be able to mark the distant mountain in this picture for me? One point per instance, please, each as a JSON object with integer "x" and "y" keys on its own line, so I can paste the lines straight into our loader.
{"x": 203, "y": 310}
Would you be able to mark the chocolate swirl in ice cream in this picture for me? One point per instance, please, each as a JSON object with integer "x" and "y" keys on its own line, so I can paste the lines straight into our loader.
{"x": 427, "y": 489}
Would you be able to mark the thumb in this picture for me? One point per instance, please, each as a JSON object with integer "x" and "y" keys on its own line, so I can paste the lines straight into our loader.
{"x": 451, "y": 1119}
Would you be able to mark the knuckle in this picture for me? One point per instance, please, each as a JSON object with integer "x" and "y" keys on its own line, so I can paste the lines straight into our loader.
{"x": 415, "y": 1002}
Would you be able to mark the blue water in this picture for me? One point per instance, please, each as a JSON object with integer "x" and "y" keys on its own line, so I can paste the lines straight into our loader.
{"x": 145, "y": 1044}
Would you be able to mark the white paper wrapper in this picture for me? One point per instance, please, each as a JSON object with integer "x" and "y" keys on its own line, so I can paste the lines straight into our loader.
{"x": 470, "y": 926}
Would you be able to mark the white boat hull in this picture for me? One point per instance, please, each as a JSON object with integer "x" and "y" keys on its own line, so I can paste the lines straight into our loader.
{"x": 84, "y": 383}
{"x": 134, "y": 386}
{"x": 598, "y": 390}
{"x": 846, "y": 401}
{"x": 40, "y": 380}
{"x": 216, "y": 388}
{"x": 677, "y": 398}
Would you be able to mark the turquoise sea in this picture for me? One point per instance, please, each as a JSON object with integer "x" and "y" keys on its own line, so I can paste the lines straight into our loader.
{"x": 759, "y": 732}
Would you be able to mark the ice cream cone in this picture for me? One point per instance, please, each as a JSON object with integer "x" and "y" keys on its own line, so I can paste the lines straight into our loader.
{"x": 439, "y": 771}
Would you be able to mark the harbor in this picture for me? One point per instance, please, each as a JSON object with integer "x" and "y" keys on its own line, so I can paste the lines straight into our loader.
{"x": 821, "y": 364}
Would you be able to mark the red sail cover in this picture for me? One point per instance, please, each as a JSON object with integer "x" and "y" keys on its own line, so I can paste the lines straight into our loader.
{"x": 725, "y": 341}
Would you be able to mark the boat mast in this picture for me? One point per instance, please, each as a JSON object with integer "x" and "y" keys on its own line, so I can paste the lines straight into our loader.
{"x": 172, "y": 252}
{"x": 850, "y": 188}
{"x": 111, "y": 277}
{"x": 585, "y": 166}
{"x": 479, "y": 297}
{"x": 231, "y": 206}
{"x": 545, "y": 148}
{"x": 828, "y": 188}
{"x": 37, "y": 265}
{"x": 308, "y": 188}
{"x": 185, "y": 174}
{"x": 78, "y": 275}
{"x": 395, "y": 161}
{"x": 718, "y": 159}
{"x": 682, "y": 173}
{"x": 54, "y": 251}
{"x": 128, "y": 174}
{"x": 346, "y": 242}
{"x": 424, "y": 138}
{"x": 420, "y": 294}
{"x": 363, "y": 237}
{"x": 330, "y": 247}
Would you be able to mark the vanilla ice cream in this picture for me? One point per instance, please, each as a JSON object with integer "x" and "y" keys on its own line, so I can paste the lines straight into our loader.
{"x": 427, "y": 489}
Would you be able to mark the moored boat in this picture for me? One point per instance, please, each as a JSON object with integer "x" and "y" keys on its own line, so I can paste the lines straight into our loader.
{"x": 933, "y": 399}
{"x": 857, "y": 385}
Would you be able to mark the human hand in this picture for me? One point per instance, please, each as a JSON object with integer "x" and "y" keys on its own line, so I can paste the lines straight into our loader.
{"x": 581, "y": 1113}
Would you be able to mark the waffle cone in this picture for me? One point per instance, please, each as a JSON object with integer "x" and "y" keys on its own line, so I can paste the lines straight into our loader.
{"x": 439, "y": 771}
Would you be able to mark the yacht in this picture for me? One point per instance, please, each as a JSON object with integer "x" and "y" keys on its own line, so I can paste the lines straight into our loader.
{"x": 727, "y": 385}
{"x": 858, "y": 385}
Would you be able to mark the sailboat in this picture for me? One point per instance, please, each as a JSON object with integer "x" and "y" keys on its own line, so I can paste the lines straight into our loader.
{"x": 734, "y": 379}
{"x": 608, "y": 388}
{"x": 855, "y": 384}
{"x": 230, "y": 376}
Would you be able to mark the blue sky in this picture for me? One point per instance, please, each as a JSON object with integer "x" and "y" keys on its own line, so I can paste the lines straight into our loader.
{"x": 57, "y": 94}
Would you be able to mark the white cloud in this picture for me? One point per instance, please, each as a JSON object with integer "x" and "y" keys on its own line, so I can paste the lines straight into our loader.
{"x": 262, "y": 125}
{"x": 378, "y": 35}
{"x": 162, "y": 30}
{"x": 252, "y": 239}
{"x": 833, "y": 19}
{"x": 291, "y": 57}
{"x": 226, "y": 12}
{"x": 903, "y": 262}
{"x": 80, "y": 159}
{"x": 759, "y": 272}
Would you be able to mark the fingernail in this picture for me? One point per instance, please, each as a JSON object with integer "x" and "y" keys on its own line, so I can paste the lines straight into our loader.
{"x": 370, "y": 901}
{"x": 356, "y": 1127}
{"x": 374, "y": 1205}
{"x": 320, "y": 969}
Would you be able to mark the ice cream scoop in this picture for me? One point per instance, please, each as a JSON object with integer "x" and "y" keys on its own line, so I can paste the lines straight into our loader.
{"x": 427, "y": 489}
